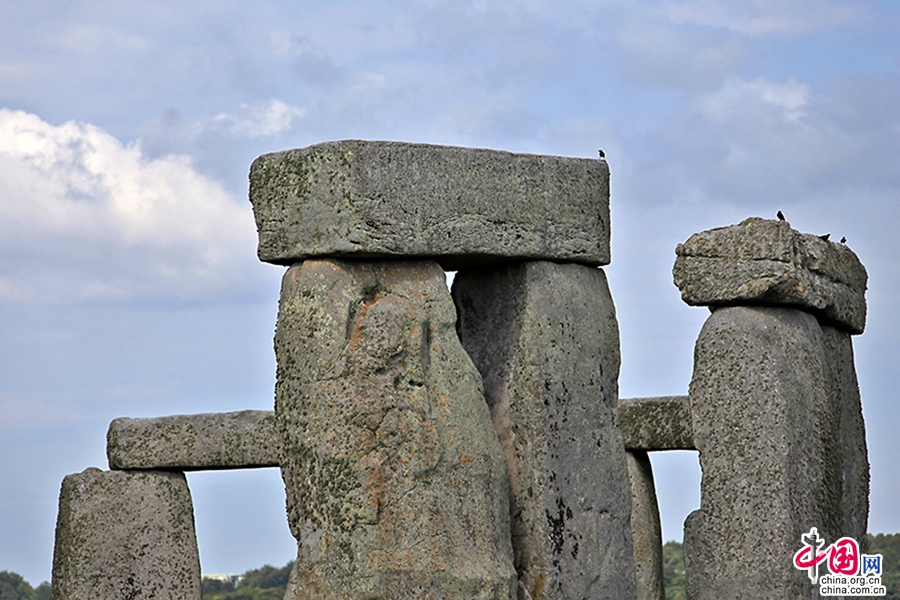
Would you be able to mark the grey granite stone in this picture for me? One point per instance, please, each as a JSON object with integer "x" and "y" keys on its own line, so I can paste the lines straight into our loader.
{"x": 768, "y": 263}
{"x": 125, "y": 534}
{"x": 459, "y": 206}
{"x": 545, "y": 338}
{"x": 396, "y": 484}
{"x": 852, "y": 436}
{"x": 236, "y": 440}
{"x": 662, "y": 423}
{"x": 767, "y": 433}
{"x": 645, "y": 528}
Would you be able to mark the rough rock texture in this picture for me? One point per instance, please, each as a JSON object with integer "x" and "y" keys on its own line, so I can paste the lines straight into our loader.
{"x": 767, "y": 433}
{"x": 236, "y": 440}
{"x": 125, "y": 534}
{"x": 459, "y": 206}
{"x": 645, "y": 528}
{"x": 396, "y": 484}
{"x": 854, "y": 456}
{"x": 545, "y": 338}
{"x": 662, "y": 423}
{"x": 767, "y": 262}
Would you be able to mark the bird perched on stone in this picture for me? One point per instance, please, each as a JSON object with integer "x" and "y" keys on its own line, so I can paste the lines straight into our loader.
{"x": 780, "y": 216}
{"x": 602, "y": 153}
{"x": 825, "y": 236}
{"x": 843, "y": 240}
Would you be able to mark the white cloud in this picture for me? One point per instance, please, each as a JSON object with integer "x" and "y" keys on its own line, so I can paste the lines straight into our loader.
{"x": 264, "y": 119}
{"x": 788, "y": 99}
{"x": 84, "y": 216}
{"x": 763, "y": 17}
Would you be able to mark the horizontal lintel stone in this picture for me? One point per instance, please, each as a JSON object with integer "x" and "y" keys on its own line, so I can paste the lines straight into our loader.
{"x": 462, "y": 207}
{"x": 661, "y": 423}
{"x": 765, "y": 262}
{"x": 211, "y": 441}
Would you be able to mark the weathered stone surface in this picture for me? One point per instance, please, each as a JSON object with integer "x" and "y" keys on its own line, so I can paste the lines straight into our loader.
{"x": 768, "y": 438}
{"x": 854, "y": 455}
{"x": 459, "y": 206}
{"x": 662, "y": 423}
{"x": 766, "y": 262}
{"x": 125, "y": 534}
{"x": 396, "y": 484}
{"x": 545, "y": 338}
{"x": 645, "y": 528}
{"x": 235, "y": 440}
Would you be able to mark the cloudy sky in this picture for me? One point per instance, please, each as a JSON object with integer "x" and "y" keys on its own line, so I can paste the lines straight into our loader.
{"x": 129, "y": 284}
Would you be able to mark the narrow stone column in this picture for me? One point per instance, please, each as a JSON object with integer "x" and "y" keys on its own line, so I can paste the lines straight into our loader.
{"x": 645, "y": 527}
{"x": 396, "y": 484}
{"x": 125, "y": 534}
{"x": 774, "y": 403}
{"x": 545, "y": 338}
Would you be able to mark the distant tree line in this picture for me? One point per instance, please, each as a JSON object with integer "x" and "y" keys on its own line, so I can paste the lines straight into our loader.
{"x": 265, "y": 583}
{"x": 14, "y": 587}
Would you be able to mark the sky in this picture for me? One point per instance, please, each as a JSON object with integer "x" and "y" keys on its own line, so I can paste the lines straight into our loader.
{"x": 129, "y": 284}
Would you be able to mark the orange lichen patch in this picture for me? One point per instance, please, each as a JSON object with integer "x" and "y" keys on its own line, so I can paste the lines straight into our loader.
{"x": 466, "y": 459}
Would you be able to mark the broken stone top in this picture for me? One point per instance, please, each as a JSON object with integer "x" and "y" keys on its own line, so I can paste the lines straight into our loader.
{"x": 766, "y": 262}
{"x": 462, "y": 207}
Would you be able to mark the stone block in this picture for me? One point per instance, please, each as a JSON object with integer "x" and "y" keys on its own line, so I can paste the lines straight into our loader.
{"x": 458, "y": 206}
{"x": 768, "y": 263}
{"x": 767, "y": 432}
{"x": 545, "y": 338}
{"x": 662, "y": 423}
{"x": 646, "y": 529}
{"x": 125, "y": 534}
{"x": 852, "y": 435}
{"x": 235, "y": 440}
{"x": 396, "y": 484}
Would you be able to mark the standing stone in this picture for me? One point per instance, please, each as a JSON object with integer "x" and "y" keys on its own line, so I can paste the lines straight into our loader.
{"x": 854, "y": 456}
{"x": 768, "y": 436}
{"x": 545, "y": 339}
{"x": 125, "y": 534}
{"x": 645, "y": 528}
{"x": 396, "y": 485}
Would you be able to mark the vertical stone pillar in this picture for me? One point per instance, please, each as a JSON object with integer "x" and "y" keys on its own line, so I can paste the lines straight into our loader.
{"x": 545, "y": 338}
{"x": 396, "y": 485}
{"x": 775, "y": 405}
{"x": 125, "y": 534}
{"x": 645, "y": 527}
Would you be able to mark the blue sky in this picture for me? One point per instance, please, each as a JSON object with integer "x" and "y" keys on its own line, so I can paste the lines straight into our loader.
{"x": 129, "y": 284}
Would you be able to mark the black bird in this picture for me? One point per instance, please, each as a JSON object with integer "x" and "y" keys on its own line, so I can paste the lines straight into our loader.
{"x": 602, "y": 153}
{"x": 825, "y": 237}
{"x": 843, "y": 240}
{"x": 780, "y": 216}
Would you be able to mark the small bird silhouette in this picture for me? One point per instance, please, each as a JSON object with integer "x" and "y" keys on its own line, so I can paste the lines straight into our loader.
{"x": 825, "y": 237}
{"x": 780, "y": 216}
{"x": 843, "y": 240}
{"x": 602, "y": 153}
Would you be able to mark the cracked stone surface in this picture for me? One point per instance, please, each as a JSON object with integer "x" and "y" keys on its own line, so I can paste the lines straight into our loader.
{"x": 545, "y": 338}
{"x": 459, "y": 206}
{"x": 396, "y": 484}
{"x": 766, "y": 262}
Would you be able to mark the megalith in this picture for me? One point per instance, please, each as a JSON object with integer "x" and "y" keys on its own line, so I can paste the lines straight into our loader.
{"x": 396, "y": 484}
{"x": 545, "y": 338}
{"x": 125, "y": 534}
{"x": 774, "y": 404}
